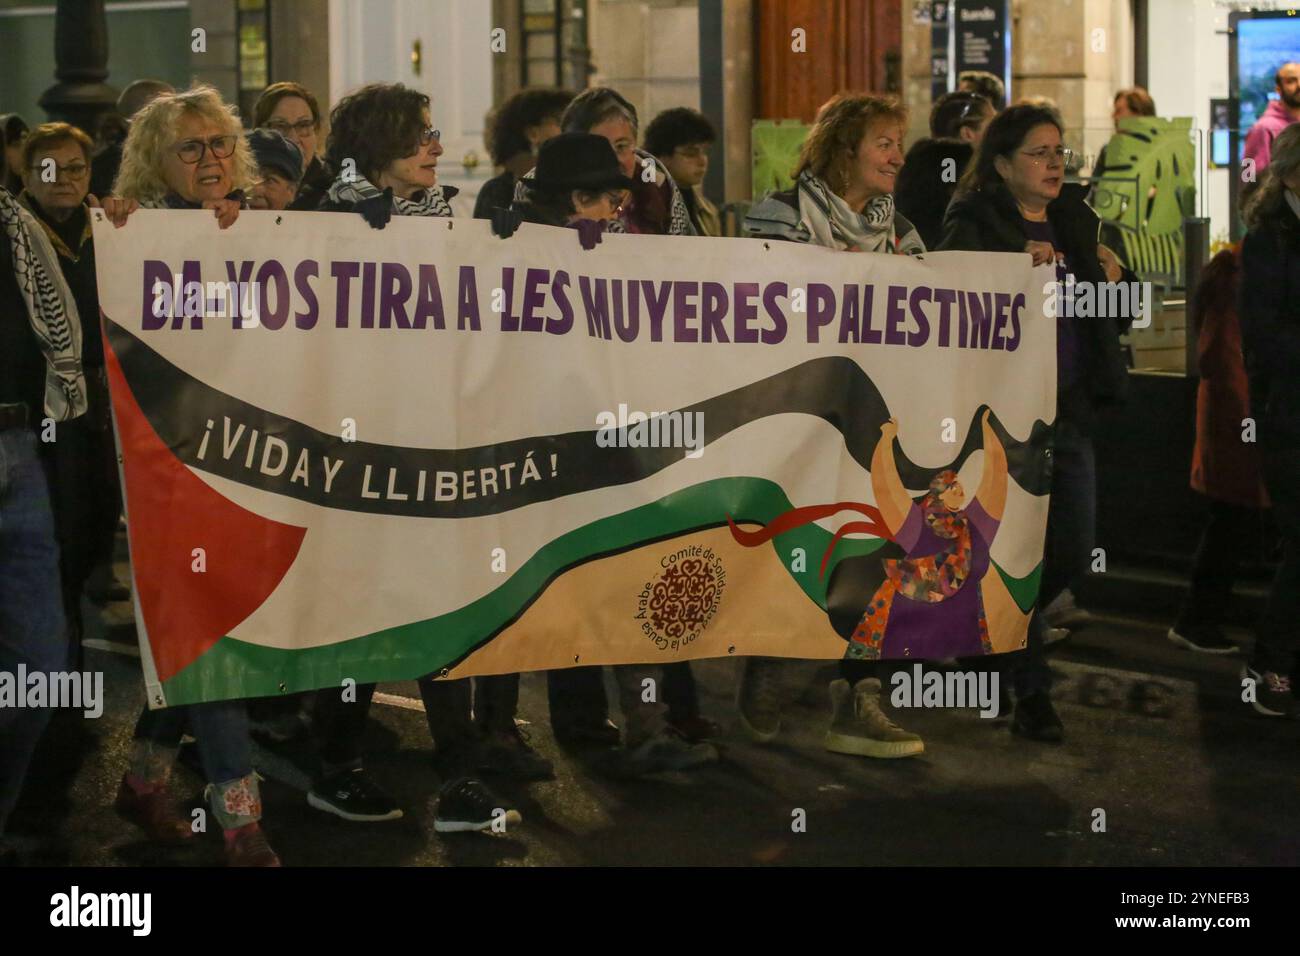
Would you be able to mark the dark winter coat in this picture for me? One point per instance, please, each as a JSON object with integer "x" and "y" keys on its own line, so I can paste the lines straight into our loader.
{"x": 1269, "y": 307}
{"x": 923, "y": 190}
{"x": 1224, "y": 467}
{"x": 989, "y": 220}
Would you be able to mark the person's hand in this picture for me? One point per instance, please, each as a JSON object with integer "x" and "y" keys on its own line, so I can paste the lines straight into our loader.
{"x": 889, "y": 430}
{"x": 505, "y": 221}
{"x": 1110, "y": 263}
{"x": 590, "y": 232}
{"x": 117, "y": 210}
{"x": 226, "y": 210}
{"x": 1042, "y": 252}
{"x": 377, "y": 210}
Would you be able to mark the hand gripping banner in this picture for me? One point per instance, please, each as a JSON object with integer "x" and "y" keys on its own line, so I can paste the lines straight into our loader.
{"x": 351, "y": 453}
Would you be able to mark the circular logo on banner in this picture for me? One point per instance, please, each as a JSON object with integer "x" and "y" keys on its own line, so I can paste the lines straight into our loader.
{"x": 677, "y": 604}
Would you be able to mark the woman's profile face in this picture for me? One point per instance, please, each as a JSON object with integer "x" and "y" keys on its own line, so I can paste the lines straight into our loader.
{"x": 954, "y": 497}
{"x": 418, "y": 169}
{"x": 211, "y": 176}
{"x": 618, "y": 130}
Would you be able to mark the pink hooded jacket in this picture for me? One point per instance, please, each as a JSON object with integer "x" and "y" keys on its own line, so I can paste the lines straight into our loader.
{"x": 1259, "y": 141}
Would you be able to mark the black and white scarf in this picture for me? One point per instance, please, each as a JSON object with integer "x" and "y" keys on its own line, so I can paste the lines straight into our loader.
{"x": 50, "y": 307}
{"x": 428, "y": 202}
{"x": 835, "y": 225}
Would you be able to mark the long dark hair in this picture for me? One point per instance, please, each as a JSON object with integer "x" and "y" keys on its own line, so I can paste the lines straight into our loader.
{"x": 1003, "y": 137}
{"x": 1269, "y": 199}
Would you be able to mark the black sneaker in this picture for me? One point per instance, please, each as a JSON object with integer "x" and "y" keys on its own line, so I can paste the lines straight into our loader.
{"x": 1273, "y": 697}
{"x": 1035, "y": 718}
{"x": 466, "y": 804}
{"x": 509, "y": 753}
{"x": 1205, "y": 638}
{"x": 352, "y": 796}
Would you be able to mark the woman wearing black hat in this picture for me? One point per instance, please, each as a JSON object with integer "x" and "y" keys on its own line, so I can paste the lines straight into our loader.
{"x": 579, "y": 182}
{"x": 577, "y": 178}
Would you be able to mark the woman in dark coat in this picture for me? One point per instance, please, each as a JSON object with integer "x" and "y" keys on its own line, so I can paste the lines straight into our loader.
{"x": 1225, "y": 469}
{"x": 1014, "y": 199}
{"x": 1269, "y": 307}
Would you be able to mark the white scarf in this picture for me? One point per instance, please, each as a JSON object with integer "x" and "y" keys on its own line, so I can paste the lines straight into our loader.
{"x": 50, "y": 307}
{"x": 835, "y": 225}
{"x": 427, "y": 202}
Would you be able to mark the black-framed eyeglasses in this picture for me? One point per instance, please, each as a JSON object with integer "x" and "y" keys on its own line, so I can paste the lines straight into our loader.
{"x": 429, "y": 134}
{"x": 303, "y": 127}
{"x": 72, "y": 170}
{"x": 192, "y": 151}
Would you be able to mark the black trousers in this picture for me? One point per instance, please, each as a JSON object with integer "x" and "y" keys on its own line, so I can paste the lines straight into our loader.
{"x": 1230, "y": 533}
{"x": 458, "y": 713}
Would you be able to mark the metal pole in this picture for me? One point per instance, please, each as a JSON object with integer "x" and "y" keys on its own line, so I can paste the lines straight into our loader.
{"x": 80, "y": 96}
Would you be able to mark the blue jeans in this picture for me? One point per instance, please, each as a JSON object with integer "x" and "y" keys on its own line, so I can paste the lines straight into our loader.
{"x": 220, "y": 729}
{"x": 1067, "y": 552}
{"x": 33, "y": 631}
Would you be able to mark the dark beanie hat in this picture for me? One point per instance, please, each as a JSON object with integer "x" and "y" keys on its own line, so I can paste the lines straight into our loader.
{"x": 275, "y": 153}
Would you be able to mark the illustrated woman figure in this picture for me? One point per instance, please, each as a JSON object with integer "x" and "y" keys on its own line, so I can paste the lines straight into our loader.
{"x": 930, "y": 605}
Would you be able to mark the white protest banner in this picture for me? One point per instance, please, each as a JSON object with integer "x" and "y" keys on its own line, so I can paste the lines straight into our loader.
{"x": 378, "y": 454}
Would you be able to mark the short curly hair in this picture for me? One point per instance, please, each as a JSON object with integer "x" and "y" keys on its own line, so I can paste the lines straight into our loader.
{"x": 505, "y": 134}
{"x": 153, "y": 130}
{"x": 375, "y": 125}
{"x": 679, "y": 126}
{"x": 841, "y": 124}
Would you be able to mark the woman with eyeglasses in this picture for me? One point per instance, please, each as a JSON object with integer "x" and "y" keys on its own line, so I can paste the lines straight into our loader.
{"x": 1014, "y": 198}
{"x": 292, "y": 111}
{"x": 384, "y": 150}
{"x": 185, "y": 151}
{"x": 82, "y": 463}
{"x": 654, "y": 205}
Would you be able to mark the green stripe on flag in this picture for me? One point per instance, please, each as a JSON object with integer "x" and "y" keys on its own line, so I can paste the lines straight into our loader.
{"x": 238, "y": 668}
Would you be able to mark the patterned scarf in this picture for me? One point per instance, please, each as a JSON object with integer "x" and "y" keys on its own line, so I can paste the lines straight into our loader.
{"x": 427, "y": 202}
{"x": 834, "y": 225}
{"x": 50, "y": 307}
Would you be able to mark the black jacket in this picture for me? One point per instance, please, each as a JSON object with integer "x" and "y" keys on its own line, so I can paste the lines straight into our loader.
{"x": 73, "y": 242}
{"x": 989, "y": 221}
{"x": 311, "y": 191}
{"x": 923, "y": 191}
{"x": 1269, "y": 310}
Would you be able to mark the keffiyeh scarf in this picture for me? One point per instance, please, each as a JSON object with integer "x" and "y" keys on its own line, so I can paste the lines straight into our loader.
{"x": 427, "y": 202}
{"x": 836, "y": 226}
{"x": 50, "y": 307}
